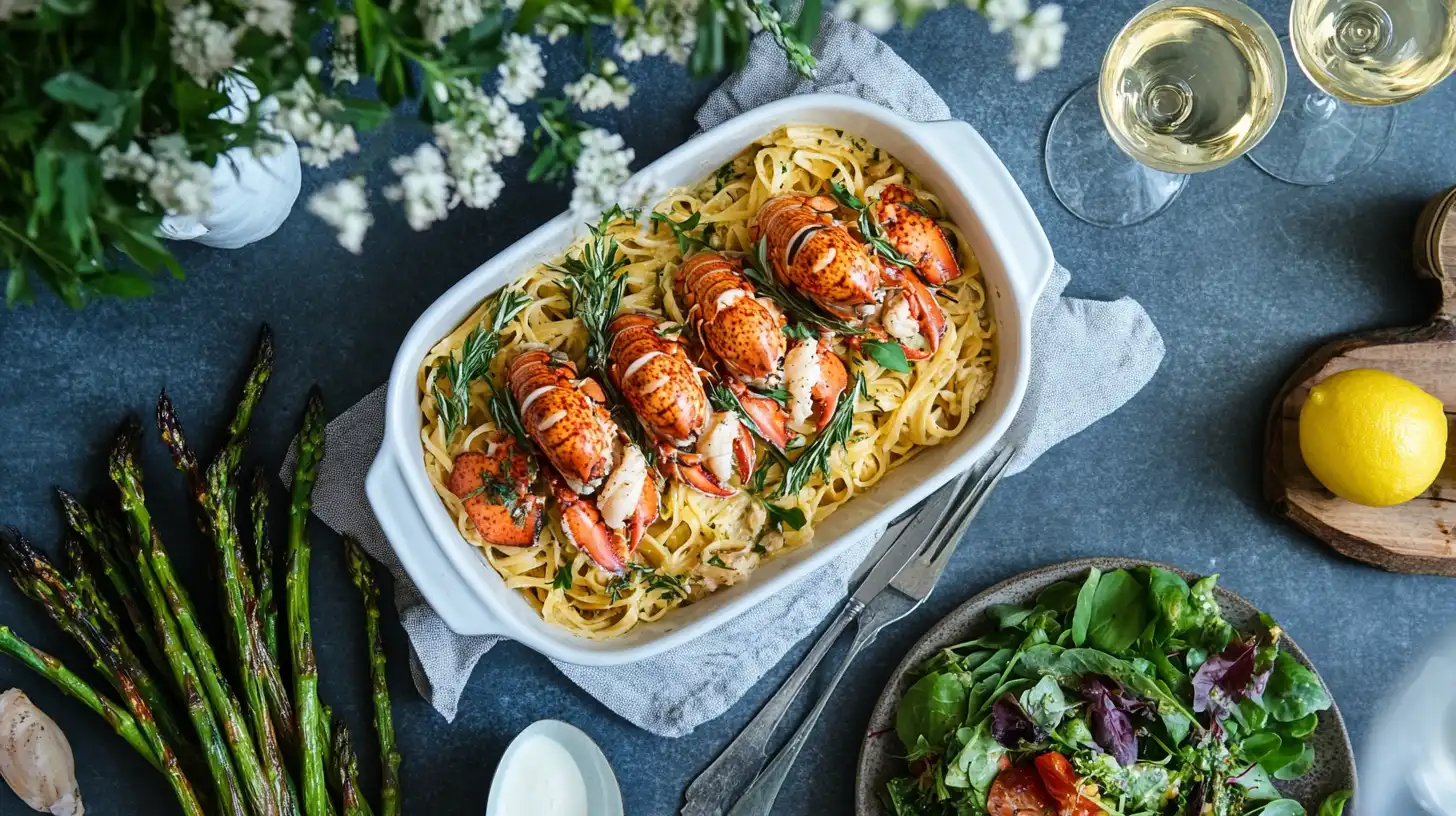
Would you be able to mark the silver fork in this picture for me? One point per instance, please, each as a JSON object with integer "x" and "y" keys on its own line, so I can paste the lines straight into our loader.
{"x": 907, "y": 590}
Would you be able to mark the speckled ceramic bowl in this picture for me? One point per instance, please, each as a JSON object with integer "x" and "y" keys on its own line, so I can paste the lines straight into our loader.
{"x": 1334, "y": 766}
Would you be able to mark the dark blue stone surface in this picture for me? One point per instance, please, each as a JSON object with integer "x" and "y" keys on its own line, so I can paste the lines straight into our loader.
{"x": 1243, "y": 276}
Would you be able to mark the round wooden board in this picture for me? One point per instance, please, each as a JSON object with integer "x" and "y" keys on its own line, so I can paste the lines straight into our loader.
{"x": 1420, "y": 535}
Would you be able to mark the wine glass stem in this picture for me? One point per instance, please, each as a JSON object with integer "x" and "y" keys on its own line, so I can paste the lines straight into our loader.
{"x": 1320, "y": 106}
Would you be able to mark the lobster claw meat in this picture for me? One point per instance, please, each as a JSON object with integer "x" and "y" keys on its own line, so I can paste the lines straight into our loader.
{"x": 495, "y": 486}
{"x": 815, "y": 378}
{"x": 587, "y": 456}
{"x": 815, "y": 255}
{"x": 915, "y": 235}
{"x": 665, "y": 390}
{"x": 912, "y": 315}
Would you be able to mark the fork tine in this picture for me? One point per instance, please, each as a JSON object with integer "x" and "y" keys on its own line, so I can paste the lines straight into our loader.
{"x": 982, "y": 489}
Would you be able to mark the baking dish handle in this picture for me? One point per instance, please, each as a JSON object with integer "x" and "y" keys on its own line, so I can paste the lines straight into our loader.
{"x": 1011, "y": 222}
{"x": 437, "y": 579}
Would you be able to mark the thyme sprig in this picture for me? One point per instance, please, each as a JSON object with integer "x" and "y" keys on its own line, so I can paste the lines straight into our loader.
{"x": 758, "y": 270}
{"x": 472, "y": 361}
{"x": 869, "y": 228}
{"x": 816, "y": 457}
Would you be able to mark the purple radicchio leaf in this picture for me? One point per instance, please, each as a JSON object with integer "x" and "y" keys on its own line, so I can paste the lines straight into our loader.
{"x": 1010, "y": 725}
{"x": 1226, "y": 678}
{"x": 1112, "y": 726}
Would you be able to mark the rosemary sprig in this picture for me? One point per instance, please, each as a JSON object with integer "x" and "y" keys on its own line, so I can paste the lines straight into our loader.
{"x": 472, "y": 362}
{"x": 597, "y": 285}
{"x": 683, "y": 231}
{"x": 507, "y": 418}
{"x": 869, "y": 228}
{"x": 794, "y": 304}
{"x": 723, "y": 399}
{"x": 815, "y": 458}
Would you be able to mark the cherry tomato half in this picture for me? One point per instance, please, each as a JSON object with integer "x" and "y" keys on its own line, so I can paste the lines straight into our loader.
{"x": 1019, "y": 792}
{"x": 1062, "y": 784}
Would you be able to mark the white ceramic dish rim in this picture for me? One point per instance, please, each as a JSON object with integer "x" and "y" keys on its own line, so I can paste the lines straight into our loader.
{"x": 1016, "y": 261}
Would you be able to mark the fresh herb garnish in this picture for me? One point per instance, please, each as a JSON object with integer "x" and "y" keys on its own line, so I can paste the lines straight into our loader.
{"x": 669, "y": 329}
{"x": 869, "y": 228}
{"x": 564, "y": 578}
{"x": 683, "y": 230}
{"x": 759, "y": 549}
{"x": 724, "y": 175}
{"x": 798, "y": 331}
{"x": 888, "y": 353}
{"x": 715, "y": 561}
{"x": 665, "y": 582}
{"x": 790, "y": 517}
{"x": 508, "y": 418}
{"x": 795, "y": 305}
{"x": 597, "y": 285}
{"x": 815, "y": 458}
{"x": 669, "y": 584}
{"x": 472, "y": 362}
{"x": 779, "y": 395}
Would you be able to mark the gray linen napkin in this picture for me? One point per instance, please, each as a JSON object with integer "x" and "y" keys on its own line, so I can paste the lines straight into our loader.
{"x": 1088, "y": 358}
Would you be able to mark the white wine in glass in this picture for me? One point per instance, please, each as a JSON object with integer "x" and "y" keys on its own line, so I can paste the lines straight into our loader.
{"x": 1361, "y": 56}
{"x": 1187, "y": 86}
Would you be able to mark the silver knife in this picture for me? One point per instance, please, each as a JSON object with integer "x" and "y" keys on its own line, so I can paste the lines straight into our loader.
{"x": 714, "y": 789}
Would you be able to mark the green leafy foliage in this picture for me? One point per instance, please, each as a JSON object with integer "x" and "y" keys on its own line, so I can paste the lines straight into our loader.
{"x": 1118, "y": 640}
{"x": 1334, "y": 804}
{"x": 815, "y": 459}
{"x": 472, "y": 362}
{"x": 793, "y": 304}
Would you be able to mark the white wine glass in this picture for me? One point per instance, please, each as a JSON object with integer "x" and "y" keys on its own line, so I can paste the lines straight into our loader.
{"x": 1187, "y": 86}
{"x": 1359, "y": 57}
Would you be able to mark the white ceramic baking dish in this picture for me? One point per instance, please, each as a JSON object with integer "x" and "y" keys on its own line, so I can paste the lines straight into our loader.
{"x": 981, "y": 197}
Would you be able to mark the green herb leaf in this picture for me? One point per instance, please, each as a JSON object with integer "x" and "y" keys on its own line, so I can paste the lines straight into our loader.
{"x": 888, "y": 354}
{"x": 798, "y": 331}
{"x": 597, "y": 283}
{"x": 715, "y": 561}
{"x": 1293, "y": 691}
{"x": 933, "y": 708}
{"x": 790, "y": 517}
{"x": 564, "y": 578}
{"x": 472, "y": 362}
{"x": 816, "y": 457}
{"x": 683, "y": 231}
{"x": 1082, "y": 617}
{"x": 77, "y": 89}
{"x": 1045, "y": 703}
{"x": 1334, "y": 804}
{"x": 1119, "y": 613}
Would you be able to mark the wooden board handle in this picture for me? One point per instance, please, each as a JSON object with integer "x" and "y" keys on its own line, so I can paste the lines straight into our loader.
{"x": 1435, "y": 247}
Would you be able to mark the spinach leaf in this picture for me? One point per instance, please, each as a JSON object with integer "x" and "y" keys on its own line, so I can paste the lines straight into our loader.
{"x": 1146, "y": 784}
{"x": 1287, "y": 752}
{"x": 1170, "y": 600}
{"x": 1282, "y": 807}
{"x": 994, "y": 665}
{"x": 1256, "y": 783}
{"x": 1334, "y": 804}
{"x": 980, "y": 760}
{"x": 1299, "y": 766}
{"x": 1059, "y": 597}
{"x": 1250, "y": 714}
{"x": 932, "y": 708}
{"x": 1008, "y": 616}
{"x": 1302, "y": 727}
{"x": 1010, "y": 724}
{"x": 1119, "y": 612}
{"x": 1293, "y": 692}
{"x": 1259, "y": 744}
{"x": 1069, "y": 665}
{"x": 1045, "y": 703}
{"x": 1086, "y": 597}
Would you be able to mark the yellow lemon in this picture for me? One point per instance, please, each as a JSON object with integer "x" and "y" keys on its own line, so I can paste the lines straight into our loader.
{"x": 1371, "y": 437}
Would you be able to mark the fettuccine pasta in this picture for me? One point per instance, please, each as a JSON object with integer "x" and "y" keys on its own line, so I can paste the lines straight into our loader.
{"x": 701, "y": 543}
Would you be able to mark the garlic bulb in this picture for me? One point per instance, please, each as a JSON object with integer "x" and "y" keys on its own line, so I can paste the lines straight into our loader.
{"x": 35, "y": 757}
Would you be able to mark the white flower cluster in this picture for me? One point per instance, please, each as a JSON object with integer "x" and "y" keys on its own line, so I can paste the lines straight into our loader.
{"x": 344, "y": 206}
{"x": 423, "y": 186}
{"x": 273, "y": 17}
{"x": 344, "y": 58}
{"x": 1036, "y": 37}
{"x": 304, "y": 114}
{"x": 481, "y": 131}
{"x": 1037, "y": 42}
{"x": 665, "y": 27}
{"x": 441, "y": 18}
{"x": 201, "y": 46}
{"x": 178, "y": 184}
{"x": 522, "y": 73}
{"x": 601, "y": 170}
{"x": 10, "y": 8}
{"x": 595, "y": 92}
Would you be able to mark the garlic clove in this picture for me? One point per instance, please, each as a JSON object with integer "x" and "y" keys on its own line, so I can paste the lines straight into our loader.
{"x": 35, "y": 757}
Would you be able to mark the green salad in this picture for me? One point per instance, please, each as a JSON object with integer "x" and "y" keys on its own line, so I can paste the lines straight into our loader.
{"x": 1126, "y": 694}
